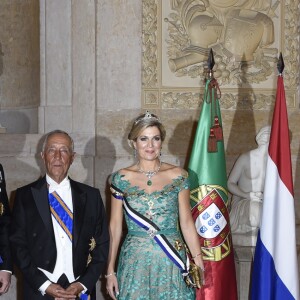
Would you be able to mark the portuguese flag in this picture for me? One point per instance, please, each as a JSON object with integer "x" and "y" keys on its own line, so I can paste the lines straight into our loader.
{"x": 207, "y": 172}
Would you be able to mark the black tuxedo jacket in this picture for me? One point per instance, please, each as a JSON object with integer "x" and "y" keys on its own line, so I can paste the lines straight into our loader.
{"x": 4, "y": 225}
{"x": 32, "y": 235}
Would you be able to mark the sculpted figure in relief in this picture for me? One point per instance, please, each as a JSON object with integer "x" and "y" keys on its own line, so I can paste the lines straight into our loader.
{"x": 237, "y": 30}
{"x": 246, "y": 183}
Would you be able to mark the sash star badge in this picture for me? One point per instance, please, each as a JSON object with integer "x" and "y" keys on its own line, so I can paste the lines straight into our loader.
{"x": 89, "y": 259}
{"x": 178, "y": 245}
{"x": 92, "y": 244}
{"x": 1, "y": 209}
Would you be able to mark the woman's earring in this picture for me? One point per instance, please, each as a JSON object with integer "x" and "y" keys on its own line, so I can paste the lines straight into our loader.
{"x": 134, "y": 153}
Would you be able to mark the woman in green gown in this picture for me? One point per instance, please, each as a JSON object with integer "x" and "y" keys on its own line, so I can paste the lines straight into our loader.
{"x": 158, "y": 193}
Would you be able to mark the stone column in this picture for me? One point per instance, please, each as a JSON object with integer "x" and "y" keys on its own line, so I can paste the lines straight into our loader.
{"x": 68, "y": 76}
{"x": 19, "y": 66}
{"x": 67, "y": 46}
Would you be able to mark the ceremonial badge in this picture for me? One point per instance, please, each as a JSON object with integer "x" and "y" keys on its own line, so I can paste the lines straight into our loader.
{"x": 1, "y": 209}
{"x": 178, "y": 245}
{"x": 89, "y": 259}
{"x": 92, "y": 244}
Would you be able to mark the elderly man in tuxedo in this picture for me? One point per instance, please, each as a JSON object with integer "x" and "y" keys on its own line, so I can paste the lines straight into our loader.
{"x": 59, "y": 234}
{"x": 5, "y": 259}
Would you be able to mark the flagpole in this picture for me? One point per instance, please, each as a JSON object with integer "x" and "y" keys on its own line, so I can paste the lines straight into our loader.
{"x": 210, "y": 64}
{"x": 280, "y": 64}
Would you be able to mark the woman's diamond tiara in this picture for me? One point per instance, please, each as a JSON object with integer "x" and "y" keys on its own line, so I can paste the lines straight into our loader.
{"x": 147, "y": 115}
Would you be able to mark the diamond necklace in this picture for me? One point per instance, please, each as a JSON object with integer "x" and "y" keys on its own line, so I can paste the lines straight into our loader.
{"x": 149, "y": 174}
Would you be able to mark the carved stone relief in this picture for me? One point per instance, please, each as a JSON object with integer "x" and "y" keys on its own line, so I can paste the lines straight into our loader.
{"x": 246, "y": 38}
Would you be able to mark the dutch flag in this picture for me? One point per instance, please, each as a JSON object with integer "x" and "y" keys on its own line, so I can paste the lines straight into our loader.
{"x": 275, "y": 268}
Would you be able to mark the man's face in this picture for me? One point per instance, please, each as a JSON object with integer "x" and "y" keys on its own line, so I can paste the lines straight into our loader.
{"x": 58, "y": 156}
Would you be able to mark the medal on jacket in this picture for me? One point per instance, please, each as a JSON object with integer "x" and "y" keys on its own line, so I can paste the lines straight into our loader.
{"x": 92, "y": 247}
{"x": 92, "y": 244}
{"x": 1, "y": 209}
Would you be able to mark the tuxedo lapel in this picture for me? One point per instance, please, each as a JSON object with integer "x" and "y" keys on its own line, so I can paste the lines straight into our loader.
{"x": 40, "y": 196}
{"x": 79, "y": 201}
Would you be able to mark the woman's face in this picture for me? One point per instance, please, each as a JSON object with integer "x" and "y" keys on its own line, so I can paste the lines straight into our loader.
{"x": 148, "y": 143}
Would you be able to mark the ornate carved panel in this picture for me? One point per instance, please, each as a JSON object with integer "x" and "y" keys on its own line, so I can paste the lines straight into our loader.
{"x": 246, "y": 38}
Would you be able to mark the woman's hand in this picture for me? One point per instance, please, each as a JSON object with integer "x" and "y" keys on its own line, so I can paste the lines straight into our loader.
{"x": 112, "y": 286}
{"x": 199, "y": 263}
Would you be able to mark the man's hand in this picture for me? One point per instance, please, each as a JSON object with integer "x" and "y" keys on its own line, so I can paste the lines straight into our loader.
{"x": 5, "y": 278}
{"x": 75, "y": 288}
{"x": 56, "y": 291}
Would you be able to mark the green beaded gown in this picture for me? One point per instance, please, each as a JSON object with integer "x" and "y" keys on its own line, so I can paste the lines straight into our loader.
{"x": 144, "y": 271}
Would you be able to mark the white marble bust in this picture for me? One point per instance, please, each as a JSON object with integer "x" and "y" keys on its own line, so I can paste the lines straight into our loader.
{"x": 246, "y": 184}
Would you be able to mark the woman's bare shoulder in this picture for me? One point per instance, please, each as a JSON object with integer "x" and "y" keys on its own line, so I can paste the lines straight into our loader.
{"x": 128, "y": 172}
{"x": 175, "y": 171}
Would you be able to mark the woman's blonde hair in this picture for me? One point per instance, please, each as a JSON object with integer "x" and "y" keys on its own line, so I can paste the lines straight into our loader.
{"x": 142, "y": 122}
